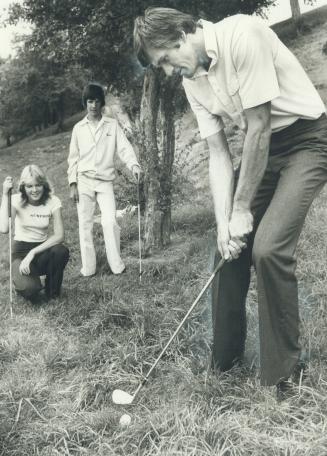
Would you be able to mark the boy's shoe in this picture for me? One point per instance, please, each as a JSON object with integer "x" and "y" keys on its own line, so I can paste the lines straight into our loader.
{"x": 122, "y": 272}
{"x": 88, "y": 276}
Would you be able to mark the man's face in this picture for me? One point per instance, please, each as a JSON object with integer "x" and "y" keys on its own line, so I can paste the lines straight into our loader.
{"x": 181, "y": 58}
{"x": 93, "y": 108}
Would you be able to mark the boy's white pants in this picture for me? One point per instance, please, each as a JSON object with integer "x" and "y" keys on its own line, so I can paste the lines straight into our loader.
{"x": 92, "y": 191}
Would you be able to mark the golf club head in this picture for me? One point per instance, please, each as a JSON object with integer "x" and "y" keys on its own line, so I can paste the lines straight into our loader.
{"x": 120, "y": 397}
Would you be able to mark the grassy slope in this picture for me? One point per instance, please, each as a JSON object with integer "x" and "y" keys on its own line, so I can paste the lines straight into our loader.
{"x": 60, "y": 362}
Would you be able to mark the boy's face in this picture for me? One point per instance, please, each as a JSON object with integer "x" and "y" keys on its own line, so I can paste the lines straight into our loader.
{"x": 94, "y": 108}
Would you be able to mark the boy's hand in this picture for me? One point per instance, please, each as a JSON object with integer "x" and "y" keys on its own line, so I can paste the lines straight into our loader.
{"x": 136, "y": 171}
{"x": 73, "y": 192}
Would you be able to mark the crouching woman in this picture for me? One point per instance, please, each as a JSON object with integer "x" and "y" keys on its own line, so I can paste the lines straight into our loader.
{"x": 34, "y": 252}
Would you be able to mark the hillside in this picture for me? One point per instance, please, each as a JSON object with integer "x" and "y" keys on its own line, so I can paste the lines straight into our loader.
{"x": 60, "y": 362}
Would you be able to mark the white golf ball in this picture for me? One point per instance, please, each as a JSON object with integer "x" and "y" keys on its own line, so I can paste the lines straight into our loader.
{"x": 125, "y": 420}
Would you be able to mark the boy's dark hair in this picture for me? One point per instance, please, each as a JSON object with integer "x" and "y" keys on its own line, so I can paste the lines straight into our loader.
{"x": 92, "y": 91}
{"x": 160, "y": 28}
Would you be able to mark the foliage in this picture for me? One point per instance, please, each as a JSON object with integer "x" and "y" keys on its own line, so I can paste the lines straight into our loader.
{"x": 75, "y": 40}
{"x": 98, "y": 33}
{"x": 39, "y": 85}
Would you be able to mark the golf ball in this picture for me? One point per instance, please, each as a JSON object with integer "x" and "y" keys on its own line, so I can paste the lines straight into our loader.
{"x": 125, "y": 420}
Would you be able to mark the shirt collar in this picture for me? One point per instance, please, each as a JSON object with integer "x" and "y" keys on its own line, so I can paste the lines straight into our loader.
{"x": 210, "y": 40}
{"x": 210, "y": 44}
{"x": 85, "y": 120}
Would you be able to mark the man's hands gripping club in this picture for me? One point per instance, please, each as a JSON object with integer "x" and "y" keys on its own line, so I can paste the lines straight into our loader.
{"x": 232, "y": 237}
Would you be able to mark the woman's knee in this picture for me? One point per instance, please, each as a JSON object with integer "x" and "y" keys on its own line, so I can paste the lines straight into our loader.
{"x": 60, "y": 252}
{"x": 26, "y": 285}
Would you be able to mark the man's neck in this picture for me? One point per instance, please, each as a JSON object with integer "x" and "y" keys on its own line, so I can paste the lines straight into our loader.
{"x": 199, "y": 43}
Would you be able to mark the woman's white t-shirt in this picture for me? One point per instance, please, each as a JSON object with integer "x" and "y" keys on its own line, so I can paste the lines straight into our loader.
{"x": 32, "y": 222}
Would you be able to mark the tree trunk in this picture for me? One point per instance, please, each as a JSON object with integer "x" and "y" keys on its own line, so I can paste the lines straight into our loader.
{"x": 158, "y": 125}
{"x": 167, "y": 111}
{"x": 149, "y": 159}
{"x": 60, "y": 113}
{"x": 296, "y": 14}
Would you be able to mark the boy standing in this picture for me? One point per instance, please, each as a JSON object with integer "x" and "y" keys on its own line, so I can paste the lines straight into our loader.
{"x": 95, "y": 141}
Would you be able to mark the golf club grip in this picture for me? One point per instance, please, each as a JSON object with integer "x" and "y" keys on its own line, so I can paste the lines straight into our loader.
{"x": 216, "y": 269}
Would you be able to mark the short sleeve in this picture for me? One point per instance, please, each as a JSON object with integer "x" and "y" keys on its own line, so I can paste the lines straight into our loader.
{"x": 55, "y": 203}
{"x": 253, "y": 51}
{"x": 208, "y": 123}
{"x": 16, "y": 200}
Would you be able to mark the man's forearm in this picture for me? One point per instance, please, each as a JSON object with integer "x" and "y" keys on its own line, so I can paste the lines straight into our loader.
{"x": 221, "y": 176}
{"x": 254, "y": 163}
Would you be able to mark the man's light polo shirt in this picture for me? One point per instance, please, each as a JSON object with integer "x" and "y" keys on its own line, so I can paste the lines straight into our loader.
{"x": 249, "y": 66}
{"x": 92, "y": 150}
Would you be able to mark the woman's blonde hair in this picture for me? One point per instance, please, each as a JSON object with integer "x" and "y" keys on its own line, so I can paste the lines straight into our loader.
{"x": 34, "y": 172}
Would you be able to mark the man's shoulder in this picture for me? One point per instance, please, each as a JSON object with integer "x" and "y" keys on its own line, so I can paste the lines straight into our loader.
{"x": 239, "y": 23}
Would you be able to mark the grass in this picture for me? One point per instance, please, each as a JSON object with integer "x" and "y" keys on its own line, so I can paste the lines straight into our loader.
{"x": 60, "y": 362}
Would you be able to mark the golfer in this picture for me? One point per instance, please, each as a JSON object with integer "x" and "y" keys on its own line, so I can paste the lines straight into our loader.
{"x": 35, "y": 252}
{"x": 96, "y": 141}
{"x": 238, "y": 69}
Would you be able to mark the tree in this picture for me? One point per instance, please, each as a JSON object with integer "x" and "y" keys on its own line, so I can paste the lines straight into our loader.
{"x": 296, "y": 12}
{"x": 38, "y": 85}
{"x": 99, "y": 36}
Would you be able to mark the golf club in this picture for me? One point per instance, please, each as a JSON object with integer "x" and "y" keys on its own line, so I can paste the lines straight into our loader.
{"x": 10, "y": 252}
{"x": 122, "y": 397}
{"x": 139, "y": 224}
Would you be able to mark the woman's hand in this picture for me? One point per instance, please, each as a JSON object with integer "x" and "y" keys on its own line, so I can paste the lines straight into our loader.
{"x": 24, "y": 267}
{"x": 7, "y": 185}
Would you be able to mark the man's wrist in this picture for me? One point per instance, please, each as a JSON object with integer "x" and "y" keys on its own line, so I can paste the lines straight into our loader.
{"x": 241, "y": 206}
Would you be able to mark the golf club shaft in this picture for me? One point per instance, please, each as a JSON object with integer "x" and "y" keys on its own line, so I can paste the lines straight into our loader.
{"x": 10, "y": 251}
{"x": 139, "y": 226}
{"x": 217, "y": 268}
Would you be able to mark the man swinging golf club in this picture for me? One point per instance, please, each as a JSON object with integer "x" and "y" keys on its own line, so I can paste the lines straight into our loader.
{"x": 240, "y": 70}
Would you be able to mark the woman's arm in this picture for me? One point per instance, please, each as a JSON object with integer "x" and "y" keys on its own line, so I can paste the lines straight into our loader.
{"x": 56, "y": 238}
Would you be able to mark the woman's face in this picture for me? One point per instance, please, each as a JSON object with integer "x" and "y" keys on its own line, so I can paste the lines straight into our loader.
{"x": 34, "y": 190}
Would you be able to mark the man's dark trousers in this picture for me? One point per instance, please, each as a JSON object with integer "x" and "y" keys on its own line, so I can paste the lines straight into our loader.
{"x": 296, "y": 172}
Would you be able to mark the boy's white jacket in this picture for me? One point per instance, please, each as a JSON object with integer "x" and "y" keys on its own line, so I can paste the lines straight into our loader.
{"x": 92, "y": 152}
